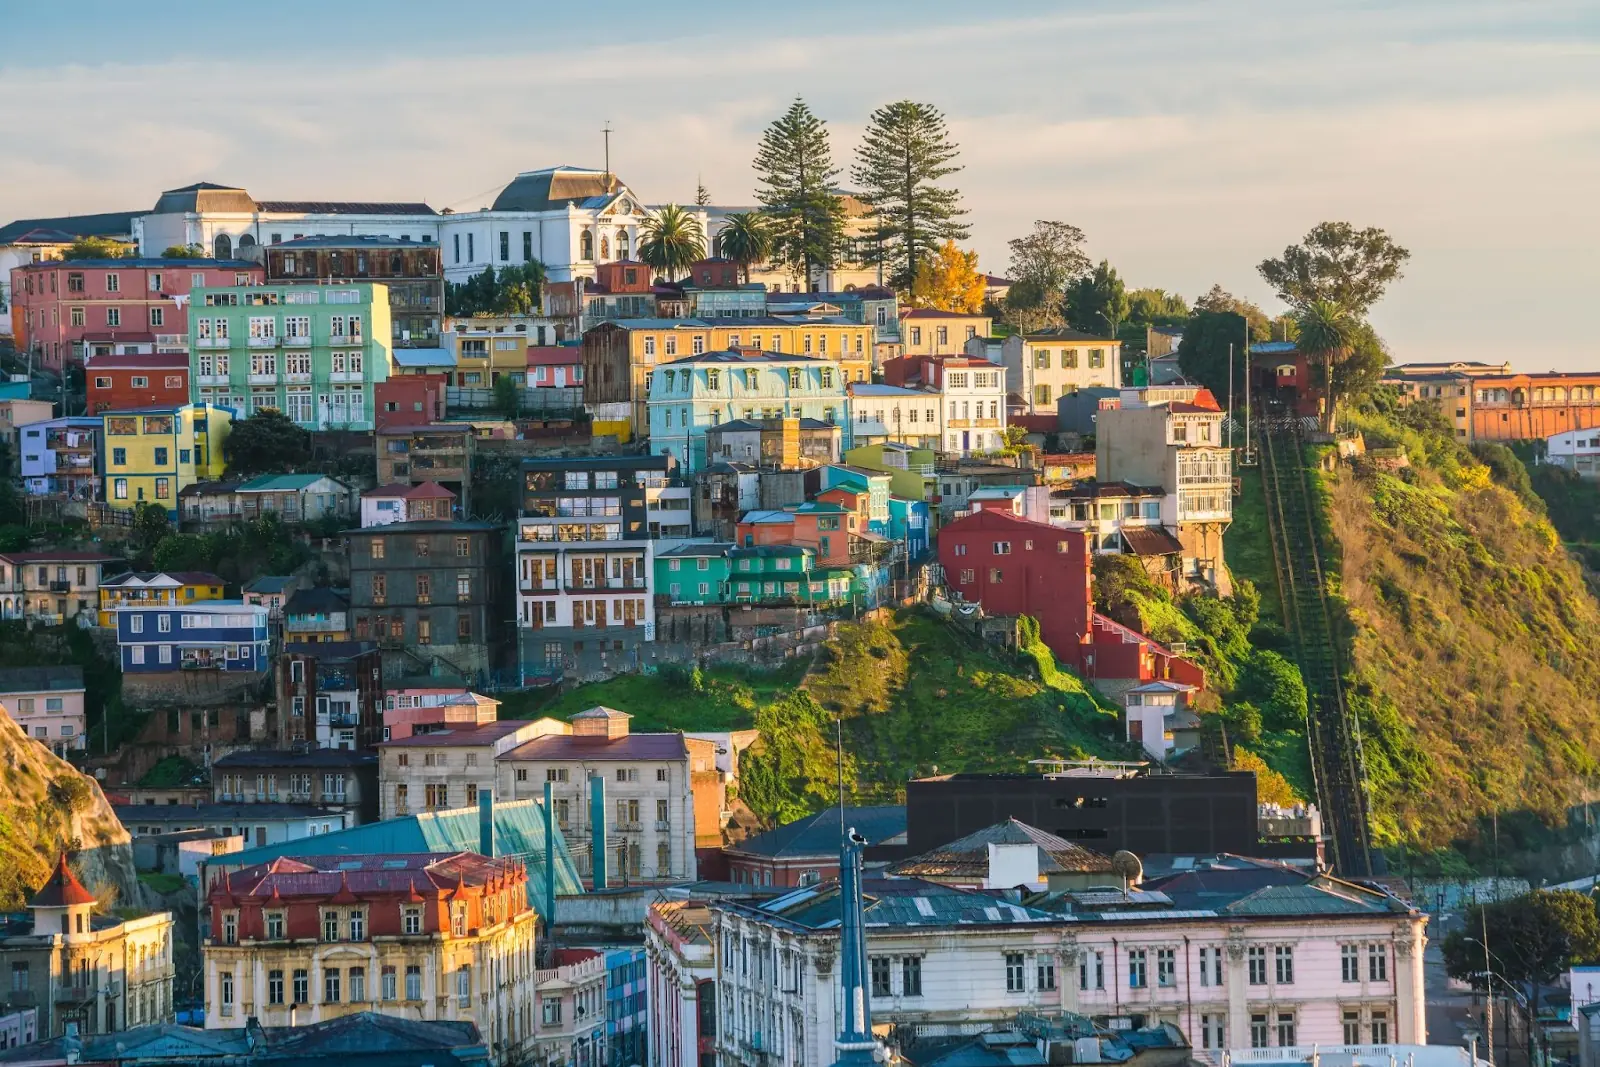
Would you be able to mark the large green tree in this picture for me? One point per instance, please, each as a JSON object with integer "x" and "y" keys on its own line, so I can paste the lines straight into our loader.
{"x": 1337, "y": 263}
{"x": 1204, "y": 352}
{"x": 1042, "y": 265}
{"x": 795, "y": 176}
{"x": 183, "y": 252}
{"x": 904, "y": 154}
{"x": 268, "y": 442}
{"x": 96, "y": 248}
{"x": 514, "y": 290}
{"x": 1156, "y": 307}
{"x": 1097, "y": 302}
{"x": 1327, "y": 340}
{"x": 745, "y": 238}
{"x": 672, "y": 240}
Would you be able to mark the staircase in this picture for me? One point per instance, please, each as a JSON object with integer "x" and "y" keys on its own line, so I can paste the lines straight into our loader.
{"x": 1333, "y": 733}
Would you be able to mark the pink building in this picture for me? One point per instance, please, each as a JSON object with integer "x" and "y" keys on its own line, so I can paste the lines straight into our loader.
{"x": 63, "y": 310}
{"x": 421, "y": 710}
{"x": 555, "y": 366}
{"x": 406, "y": 503}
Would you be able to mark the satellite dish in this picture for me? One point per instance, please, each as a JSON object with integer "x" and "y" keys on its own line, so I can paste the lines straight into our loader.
{"x": 1127, "y": 864}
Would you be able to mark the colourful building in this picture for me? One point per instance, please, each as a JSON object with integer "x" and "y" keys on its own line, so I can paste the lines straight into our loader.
{"x": 65, "y": 310}
{"x": 785, "y": 574}
{"x": 60, "y": 457}
{"x": 151, "y": 456}
{"x": 692, "y": 394}
{"x": 125, "y": 381}
{"x": 694, "y": 573}
{"x": 224, "y": 635}
{"x": 313, "y": 352}
{"x": 485, "y": 352}
{"x": 155, "y": 589}
{"x": 826, "y": 528}
{"x": 910, "y": 470}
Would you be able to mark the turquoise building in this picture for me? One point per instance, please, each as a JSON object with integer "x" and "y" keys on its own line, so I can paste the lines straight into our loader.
{"x": 694, "y": 573}
{"x": 313, "y": 352}
{"x": 721, "y": 573}
{"x": 690, "y": 394}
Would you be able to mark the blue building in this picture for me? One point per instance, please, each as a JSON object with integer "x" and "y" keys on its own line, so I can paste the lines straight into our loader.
{"x": 212, "y": 635}
{"x": 909, "y": 523}
{"x": 625, "y": 1007}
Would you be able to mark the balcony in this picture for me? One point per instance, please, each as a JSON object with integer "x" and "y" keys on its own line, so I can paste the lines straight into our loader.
{"x": 295, "y": 376}
{"x": 345, "y": 376}
{"x": 263, "y": 342}
{"x": 61, "y": 587}
{"x": 295, "y": 340}
{"x": 540, "y": 586}
{"x": 74, "y": 994}
{"x": 211, "y": 342}
{"x": 211, "y": 379}
{"x": 343, "y": 339}
{"x": 264, "y": 379}
{"x": 594, "y": 584}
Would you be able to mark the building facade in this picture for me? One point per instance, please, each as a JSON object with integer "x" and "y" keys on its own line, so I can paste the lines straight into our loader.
{"x": 432, "y": 591}
{"x": 412, "y": 272}
{"x": 51, "y": 585}
{"x": 63, "y": 311}
{"x": 441, "y": 937}
{"x": 216, "y": 635}
{"x": 61, "y": 457}
{"x": 47, "y": 703}
{"x": 155, "y": 589}
{"x": 128, "y": 381}
{"x": 931, "y": 332}
{"x": 150, "y": 456}
{"x": 440, "y": 453}
{"x": 313, "y": 352}
{"x": 341, "y": 780}
{"x": 1042, "y": 367}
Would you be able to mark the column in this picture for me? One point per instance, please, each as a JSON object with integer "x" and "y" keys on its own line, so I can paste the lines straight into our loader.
{"x": 1411, "y": 1024}
{"x": 1068, "y": 956}
{"x": 1238, "y": 1035}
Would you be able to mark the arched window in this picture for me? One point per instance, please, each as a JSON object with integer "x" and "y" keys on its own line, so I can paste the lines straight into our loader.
{"x": 622, "y": 244}
{"x": 246, "y": 241}
{"x": 586, "y": 245}
{"x": 222, "y": 246}
{"x": 605, "y": 247}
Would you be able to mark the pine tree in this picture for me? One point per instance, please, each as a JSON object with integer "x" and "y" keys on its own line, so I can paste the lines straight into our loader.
{"x": 904, "y": 153}
{"x": 795, "y": 170}
{"x": 702, "y": 196}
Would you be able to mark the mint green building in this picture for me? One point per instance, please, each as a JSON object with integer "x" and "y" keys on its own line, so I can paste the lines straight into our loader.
{"x": 694, "y": 573}
{"x": 721, "y": 573}
{"x": 313, "y": 352}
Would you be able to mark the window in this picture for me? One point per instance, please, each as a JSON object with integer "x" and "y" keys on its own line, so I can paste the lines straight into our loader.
{"x": 1284, "y": 958}
{"x": 274, "y": 926}
{"x": 1092, "y": 970}
{"x": 911, "y": 976}
{"x": 1211, "y": 966}
{"x": 550, "y": 1011}
{"x": 996, "y": 576}
{"x": 880, "y": 976}
{"x": 1352, "y": 1026}
{"x": 1002, "y": 548}
{"x": 302, "y": 986}
{"x": 464, "y": 986}
{"x": 1257, "y": 958}
{"x": 1285, "y": 1029}
{"x": 230, "y": 928}
{"x": 158, "y": 317}
{"x": 378, "y": 548}
{"x": 227, "y": 992}
{"x": 358, "y": 925}
{"x": 411, "y": 920}
{"x": 113, "y": 283}
{"x": 274, "y": 987}
{"x": 1015, "y": 981}
{"x": 1166, "y": 968}
{"x": 1377, "y": 962}
{"x": 386, "y": 983}
{"x": 1213, "y": 1030}
{"x": 1258, "y": 1030}
{"x": 1046, "y": 974}
{"x": 380, "y": 585}
{"x": 1350, "y": 964}
{"x": 1137, "y": 977}
{"x": 330, "y": 926}
{"x": 1380, "y": 1026}
{"x": 330, "y": 985}
{"x": 76, "y": 316}
{"x": 413, "y": 982}
{"x": 358, "y": 984}
{"x": 113, "y": 316}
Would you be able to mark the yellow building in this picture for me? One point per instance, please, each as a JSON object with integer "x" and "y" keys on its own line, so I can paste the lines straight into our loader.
{"x": 488, "y": 349}
{"x": 931, "y": 332}
{"x": 619, "y": 356}
{"x": 151, "y": 455}
{"x": 153, "y": 589}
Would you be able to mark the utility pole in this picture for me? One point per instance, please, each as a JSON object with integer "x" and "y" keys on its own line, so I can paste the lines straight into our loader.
{"x": 1230, "y": 396}
{"x": 606, "y": 132}
{"x": 1488, "y": 988}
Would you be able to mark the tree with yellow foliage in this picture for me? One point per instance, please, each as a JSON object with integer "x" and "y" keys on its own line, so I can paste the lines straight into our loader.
{"x": 1271, "y": 787}
{"x": 949, "y": 282}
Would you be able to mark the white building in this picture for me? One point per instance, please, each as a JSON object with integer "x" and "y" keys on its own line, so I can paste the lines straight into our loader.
{"x": 568, "y": 218}
{"x": 571, "y": 1025}
{"x": 681, "y": 973}
{"x": 577, "y": 574}
{"x": 1249, "y": 954}
{"x": 879, "y": 413}
{"x": 1576, "y": 450}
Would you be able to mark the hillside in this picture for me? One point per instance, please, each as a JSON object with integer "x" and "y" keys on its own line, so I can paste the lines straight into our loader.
{"x": 45, "y": 806}
{"x": 912, "y": 693}
{"x": 1475, "y": 666}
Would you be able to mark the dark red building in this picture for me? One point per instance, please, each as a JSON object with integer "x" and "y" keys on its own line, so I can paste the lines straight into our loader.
{"x": 714, "y": 273}
{"x": 409, "y": 400}
{"x": 127, "y": 382}
{"x": 1014, "y": 566}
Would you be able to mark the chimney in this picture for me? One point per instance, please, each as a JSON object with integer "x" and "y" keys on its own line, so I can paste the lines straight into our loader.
{"x": 486, "y": 822}
{"x": 597, "y": 828}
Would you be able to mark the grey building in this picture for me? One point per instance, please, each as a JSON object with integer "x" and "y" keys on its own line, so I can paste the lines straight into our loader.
{"x": 331, "y": 778}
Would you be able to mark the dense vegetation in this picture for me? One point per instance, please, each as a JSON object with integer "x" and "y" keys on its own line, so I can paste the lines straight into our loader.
{"x": 1474, "y": 667}
{"x": 910, "y": 694}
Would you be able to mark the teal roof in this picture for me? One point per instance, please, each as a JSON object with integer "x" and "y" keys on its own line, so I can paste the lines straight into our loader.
{"x": 822, "y": 507}
{"x": 518, "y": 832}
{"x": 279, "y": 483}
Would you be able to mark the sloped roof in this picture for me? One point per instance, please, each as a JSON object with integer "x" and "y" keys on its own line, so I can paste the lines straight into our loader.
{"x": 554, "y": 747}
{"x": 149, "y": 578}
{"x": 549, "y": 189}
{"x": 891, "y": 902}
{"x": 345, "y": 207}
{"x": 421, "y": 491}
{"x": 282, "y": 483}
{"x": 269, "y": 583}
{"x": 62, "y": 889}
{"x": 40, "y": 679}
{"x": 1151, "y": 541}
{"x": 818, "y": 835}
{"x": 968, "y": 857}
{"x": 105, "y": 224}
{"x": 1318, "y": 896}
{"x": 320, "y": 598}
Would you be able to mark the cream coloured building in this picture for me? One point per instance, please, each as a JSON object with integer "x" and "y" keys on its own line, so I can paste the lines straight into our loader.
{"x": 1043, "y": 367}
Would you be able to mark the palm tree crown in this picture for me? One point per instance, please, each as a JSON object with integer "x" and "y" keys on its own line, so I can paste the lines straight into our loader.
{"x": 1327, "y": 335}
{"x": 746, "y": 238}
{"x": 673, "y": 239}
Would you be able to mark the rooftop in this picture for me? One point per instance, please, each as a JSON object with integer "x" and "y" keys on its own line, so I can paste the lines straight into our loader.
{"x": 553, "y": 188}
{"x": 968, "y": 857}
{"x": 105, "y": 224}
{"x": 424, "y": 491}
{"x": 1064, "y": 334}
{"x": 891, "y": 902}
{"x": 818, "y": 835}
{"x": 460, "y": 735}
{"x": 710, "y": 549}
{"x": 238, "y": 814}
{"x": 40, "y": 679}
{"x": 281, "y": 483}
{"x": 350, "y": 241}
{"x": 62, "y": 889}
{"x": 745, "y": 355}
{"x": 424, "y": 357}
{"x": 556, "y": 747}
{"x": 419, "y": 874}
{"x": 283, "y": 757}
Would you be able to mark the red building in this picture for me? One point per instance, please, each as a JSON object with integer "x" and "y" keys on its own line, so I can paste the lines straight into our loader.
{"x": 409, "y": 400}
{"x": 1014, "y": 566}
{"x": 714, "y": 273}
{"x": 555, "y": 366}
{"x": 64, "y": 310}
{"x": 126, "y": 382}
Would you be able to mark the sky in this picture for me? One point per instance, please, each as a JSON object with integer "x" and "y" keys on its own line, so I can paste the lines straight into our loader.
{"x": 1188, "y": 140}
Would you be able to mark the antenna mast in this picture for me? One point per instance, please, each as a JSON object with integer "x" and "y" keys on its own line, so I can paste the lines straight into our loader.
{"x": 606, "y": 132}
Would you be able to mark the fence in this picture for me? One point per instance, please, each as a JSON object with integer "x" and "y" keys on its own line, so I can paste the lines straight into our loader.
{"x": 564, "y": 401}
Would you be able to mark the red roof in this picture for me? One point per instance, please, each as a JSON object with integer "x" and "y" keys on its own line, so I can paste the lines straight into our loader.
{"x": 424, "y": 491}
{"x": 136, "y": 361}
{"x": 63, "y": 890}
{"x": 330, "y": 877}
{"x": 631, "y": 747}
{"x": 551, "y": 355}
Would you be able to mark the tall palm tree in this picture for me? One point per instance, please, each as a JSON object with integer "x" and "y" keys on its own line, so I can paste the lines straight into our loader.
{"x": 1327, "y": 335}
{"x": 746, "y": 238}
{"x": 673, "y": 239}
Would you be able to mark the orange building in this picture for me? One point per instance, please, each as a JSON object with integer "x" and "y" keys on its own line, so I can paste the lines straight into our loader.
{"x": 825, "y": 526}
